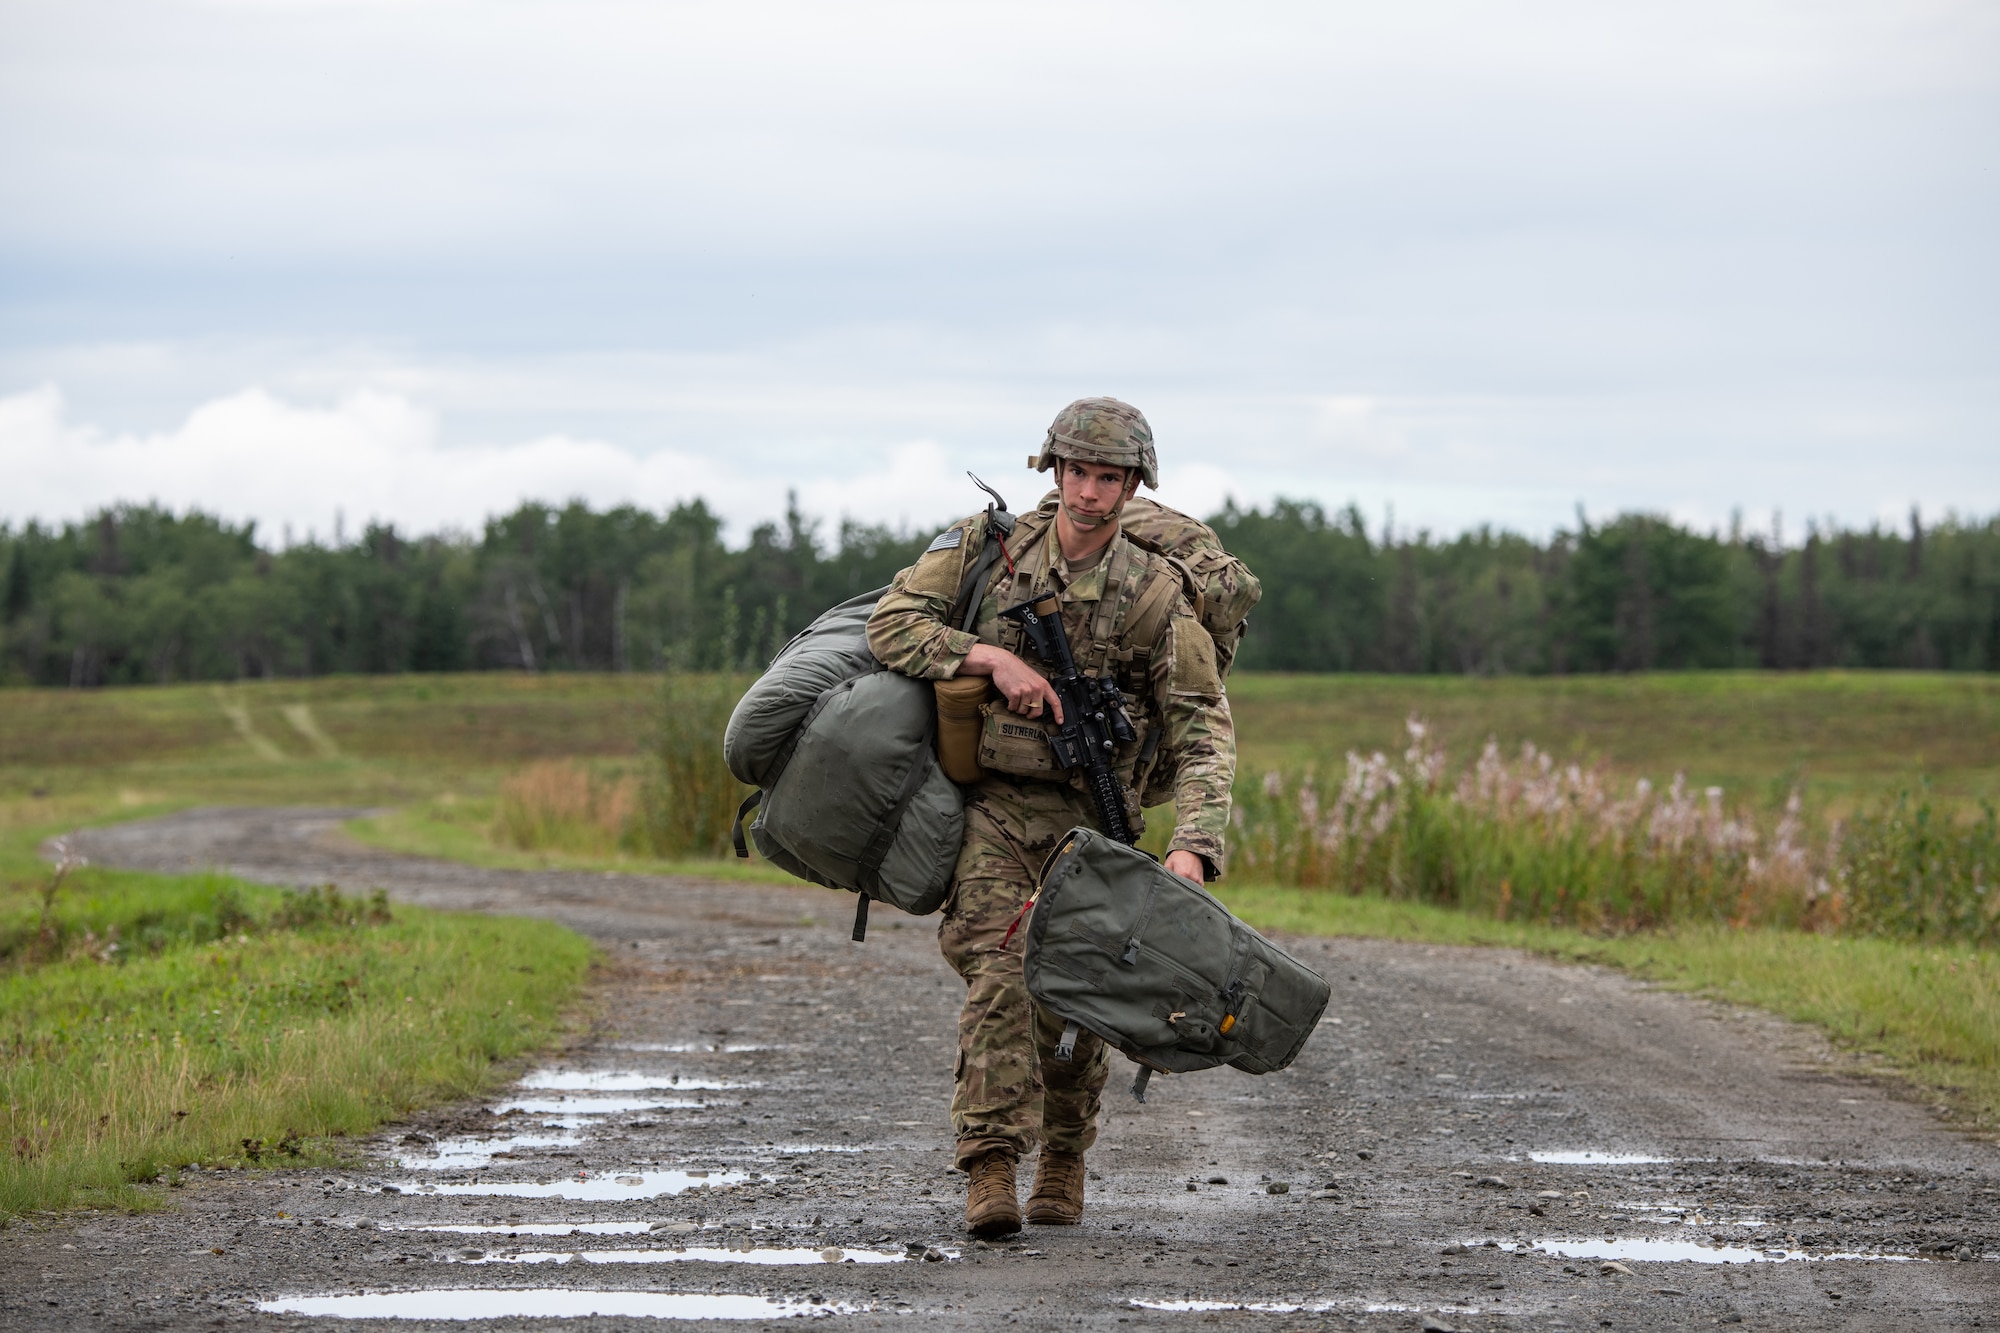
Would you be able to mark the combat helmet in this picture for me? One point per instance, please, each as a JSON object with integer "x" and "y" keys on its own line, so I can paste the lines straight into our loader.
{"x": 1101, "y": 430}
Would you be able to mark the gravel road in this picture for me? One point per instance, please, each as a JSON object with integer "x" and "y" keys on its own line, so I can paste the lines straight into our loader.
{"x": 1473, "y": 1139}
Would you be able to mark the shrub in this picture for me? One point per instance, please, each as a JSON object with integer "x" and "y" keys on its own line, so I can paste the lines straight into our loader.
{"x": 1906, "y": 869}
{"x": 689, "y": 798}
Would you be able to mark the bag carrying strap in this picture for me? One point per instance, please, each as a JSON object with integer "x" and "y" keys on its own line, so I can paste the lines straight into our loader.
{"x": 750, "y": 803}
{"x": 965, "y": 606}
{"x": 1155, "y": 604}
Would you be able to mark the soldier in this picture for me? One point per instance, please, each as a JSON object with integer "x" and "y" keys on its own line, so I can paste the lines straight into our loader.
{"x": 1127, "y": 613}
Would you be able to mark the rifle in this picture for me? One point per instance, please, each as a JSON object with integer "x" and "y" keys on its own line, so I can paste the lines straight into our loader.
{"x": 1094, "y": 720}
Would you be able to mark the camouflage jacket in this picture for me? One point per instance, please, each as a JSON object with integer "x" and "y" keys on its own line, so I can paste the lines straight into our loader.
{"x": 1171, "y": 684}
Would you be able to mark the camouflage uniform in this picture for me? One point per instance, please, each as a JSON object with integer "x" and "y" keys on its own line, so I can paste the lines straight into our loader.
{"x": 1010, "y": 1091}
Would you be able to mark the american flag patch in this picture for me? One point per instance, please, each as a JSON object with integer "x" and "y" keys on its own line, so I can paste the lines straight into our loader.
{"x": 946, "y": 540}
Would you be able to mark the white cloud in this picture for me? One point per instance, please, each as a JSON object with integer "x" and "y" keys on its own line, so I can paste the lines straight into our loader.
{"x": 371, "y": 455}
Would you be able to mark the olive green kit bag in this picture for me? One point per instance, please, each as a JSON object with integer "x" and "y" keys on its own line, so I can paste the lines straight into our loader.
{"x": 1121, "y": 946}
{"x": 849, "y": 792}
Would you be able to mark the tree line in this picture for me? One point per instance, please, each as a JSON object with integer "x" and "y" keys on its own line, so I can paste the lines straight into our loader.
{"x": 138, "y": 594}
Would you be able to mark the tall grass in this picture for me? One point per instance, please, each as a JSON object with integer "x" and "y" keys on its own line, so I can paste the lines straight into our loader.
{"x": 559, "y": 805}
{"x": 1908, "y": 869}
{"x": 689, "y": 798}
{"x": 680, "y": 806}
{"x": 1526, "y": 838}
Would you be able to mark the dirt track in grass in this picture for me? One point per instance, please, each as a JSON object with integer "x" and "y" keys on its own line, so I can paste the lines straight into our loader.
{"x": 1408, "y": 1170}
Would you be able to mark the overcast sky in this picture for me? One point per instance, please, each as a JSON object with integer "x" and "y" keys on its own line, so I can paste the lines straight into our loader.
{"x": 420, "y": 259}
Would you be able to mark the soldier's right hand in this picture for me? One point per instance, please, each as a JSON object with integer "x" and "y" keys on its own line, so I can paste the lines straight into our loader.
{"x": 1026, "y": 690}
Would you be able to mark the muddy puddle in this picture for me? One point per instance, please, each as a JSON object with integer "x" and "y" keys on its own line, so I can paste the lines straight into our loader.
{"x": 1213, "y": 1307}
{"x": 619, "y": 1080}
{"x": 770, "y": 1256}
{"x": 1674, "y": 1214}
{"x": 1648, "y": 1250}
{"x": 1291, "y": 1307}
{"x": 598, "y": 1188}
{"x": 589, "y": 1106}
{"x": 461, "y": 1154}
{"x": 1599, "y": 1159}
{"x": 552, "y": 1303}
{"x": 695, "y": 1047}
{"x": 533, "y": 1228}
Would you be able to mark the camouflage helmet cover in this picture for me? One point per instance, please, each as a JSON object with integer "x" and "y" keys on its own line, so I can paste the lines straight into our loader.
{"x": 1101, "y": 430}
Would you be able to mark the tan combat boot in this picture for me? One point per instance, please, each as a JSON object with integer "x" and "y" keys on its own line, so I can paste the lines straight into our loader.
{"x": 1058, "y": 1197}
{"x": 991, "y": 1207}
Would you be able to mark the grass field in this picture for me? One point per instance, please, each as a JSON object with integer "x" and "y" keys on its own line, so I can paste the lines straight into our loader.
{"x": 390, "y": 739}
{"x": 1843, "y": 735}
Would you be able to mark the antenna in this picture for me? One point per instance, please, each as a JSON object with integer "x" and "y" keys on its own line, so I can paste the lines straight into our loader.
{"x": 1002, "y": 504}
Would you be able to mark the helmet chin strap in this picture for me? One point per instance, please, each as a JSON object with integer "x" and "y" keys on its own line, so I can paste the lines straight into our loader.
{"x": 1091, "y": 522}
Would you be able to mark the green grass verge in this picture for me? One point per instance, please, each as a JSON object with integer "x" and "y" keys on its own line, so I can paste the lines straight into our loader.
{"x": 237, "y": 1024}
{"x": 1930, "y": 1011}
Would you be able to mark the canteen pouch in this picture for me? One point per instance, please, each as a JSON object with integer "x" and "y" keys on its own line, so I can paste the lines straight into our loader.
{"x": 1015, "y": 745}
{"x": 959, "y": 723}
{"x": 1123, "y": 947}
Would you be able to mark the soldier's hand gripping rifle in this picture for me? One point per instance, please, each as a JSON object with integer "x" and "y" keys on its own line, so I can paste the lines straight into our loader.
{"x": 1094, "y": 720}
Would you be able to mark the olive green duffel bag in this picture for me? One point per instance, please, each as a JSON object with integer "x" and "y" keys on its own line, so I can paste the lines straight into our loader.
{"x": 1121, "y": 946}
{"x": 839, "y": 749}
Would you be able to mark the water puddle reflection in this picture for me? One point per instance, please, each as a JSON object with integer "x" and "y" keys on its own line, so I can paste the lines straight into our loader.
{"x": 459, "y": 1154}
{"x": 616, "y": 1080}
{"x": 1674, "y": 1214}
{"x": 1688, "y": 1252}
{"x": 575, "y": 1106}
{"x": 1598, "y": 1159}
{"x": 710, "y": 1254}
{"x": 533, "y": 1228}
{"x": 552, "y": 1303}
{"x": 695, "y": 1047}
{"x": 1290, "y": 1307}
{"x": 599, "y": 1188}
{"x": 1209, "y": 1307}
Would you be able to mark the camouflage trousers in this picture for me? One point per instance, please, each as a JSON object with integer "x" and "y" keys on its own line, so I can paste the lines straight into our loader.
{"x": 1010, "y": 1089}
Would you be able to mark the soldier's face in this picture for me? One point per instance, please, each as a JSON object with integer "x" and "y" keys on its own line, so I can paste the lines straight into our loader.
{"x": 1093, "y": 492}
